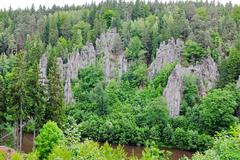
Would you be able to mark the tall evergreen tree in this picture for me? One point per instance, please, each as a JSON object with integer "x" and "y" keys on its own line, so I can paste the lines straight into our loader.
{"x": 18, "y": 97}
{"x": 55, "y": 103}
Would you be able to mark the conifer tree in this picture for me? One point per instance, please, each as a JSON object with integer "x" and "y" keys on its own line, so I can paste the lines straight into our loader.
{"x": 18, "y": 98}
{"x": 55, "y": 102}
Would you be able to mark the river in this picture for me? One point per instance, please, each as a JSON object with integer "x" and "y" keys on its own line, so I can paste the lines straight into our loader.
{"x": 129, "y": 149}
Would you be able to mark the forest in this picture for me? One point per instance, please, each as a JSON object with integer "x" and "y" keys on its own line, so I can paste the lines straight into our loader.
{"x": 149, "y": 74}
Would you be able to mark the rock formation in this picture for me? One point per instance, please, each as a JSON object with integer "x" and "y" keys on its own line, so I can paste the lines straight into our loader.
{"x": 75, "y": 62}
{"x": 110, "y": 45}
{"x": 43, "y": 64}
{"x": 167, "y": 53}
{"x": 207, "y": 74}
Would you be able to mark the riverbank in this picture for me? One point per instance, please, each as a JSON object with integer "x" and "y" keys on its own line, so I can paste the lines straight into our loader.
{"x": 129, "y": 149}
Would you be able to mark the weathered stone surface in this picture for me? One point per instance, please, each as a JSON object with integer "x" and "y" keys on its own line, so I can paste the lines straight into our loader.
{"x": 207, "y": 74}
{"x": 238, "y": 82}
{"x": 75, "y": 62}
{"x": 43, "y": 63}
{"x": 168, "y": 52}
{"x": 110, "y": 45}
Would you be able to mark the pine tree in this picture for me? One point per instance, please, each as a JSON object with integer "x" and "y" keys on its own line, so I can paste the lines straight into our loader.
{"x": 18, "y": 97}
{"x": 55, "y": 102}
{"x": 37, "y": 97}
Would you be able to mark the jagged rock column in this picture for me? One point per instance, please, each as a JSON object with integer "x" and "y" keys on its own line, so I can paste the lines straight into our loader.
{"x": 110, "y": 45}
{"x": 207, "y": 73}
{"x": 75, "y": 62}
{"x": 168, "y": 52}
{"x": 43, "y": 64}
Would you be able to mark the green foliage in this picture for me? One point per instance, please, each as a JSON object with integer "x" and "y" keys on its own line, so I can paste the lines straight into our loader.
{"x": 216, "y": 111}
{"x": 99, "y": 97}
{"x": 128, "y": 109}
{"x": 71, "y": 131}
{"x": 193, "y": 52}
{"x": 153, "y": 153}
{"x": 88, "y": 77}
{"x": 225, "y": 147}
{"x": 190, "y": 93}
{"x": 16, "y": 156}
{"x": 202, "y": 12}
{"x": 236, "y": 14}
{"x": 134, "y": 49}
{"x": 50, "y": 136}
{"x": 108, "y": 16}
{"x": 90, "y": 150}
{"x": 55, "y": 103}
{"x": 60, "y": 152}
{"x": 137, "y": 74}
{"x": 229, "y": 69}
{"x": 156, "y": 113}
{"x": 160, "y": 80}
{"x": 191, "y": 140}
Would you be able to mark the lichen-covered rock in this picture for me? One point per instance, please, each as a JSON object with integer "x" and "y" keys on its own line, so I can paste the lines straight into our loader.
{"x": 43, "y": 64}
{"x": 168, "y": 52}
{"x": 207, "y": 74}
{"x": 110, "y": 45}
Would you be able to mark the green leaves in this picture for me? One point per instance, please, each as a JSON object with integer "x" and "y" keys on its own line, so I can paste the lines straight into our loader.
{"x": 134, "y": 50}
{"x": 193, "y": 52}
{"x": 50, "y": 136}
{"x": 216, "y": 111}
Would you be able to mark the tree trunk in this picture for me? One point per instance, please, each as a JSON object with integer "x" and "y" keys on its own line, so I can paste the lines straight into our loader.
{"x": 21, "y": 135}
{"x": 16, "y": 135}
{"x": 34, "y": 135}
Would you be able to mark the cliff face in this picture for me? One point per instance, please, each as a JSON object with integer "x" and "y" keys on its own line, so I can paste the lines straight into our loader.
{"x": 207, "y": 74}
{"x": 110, "y": 45}
{"x": 75, "y": 62}
{"x": 168, "y": 52}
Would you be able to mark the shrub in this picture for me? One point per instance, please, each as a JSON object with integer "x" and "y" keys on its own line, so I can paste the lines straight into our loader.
{"x": 60, "y": 152}
{"x": 50, "y": 135}
{"x": 193, "y": 52}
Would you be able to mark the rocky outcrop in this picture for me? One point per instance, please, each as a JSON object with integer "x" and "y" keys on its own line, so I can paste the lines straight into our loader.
{"x": 207, "y": 74}
{"x": 43, "y": 64}
{"x": 110, "y": 45}
{"x": 168, "y": 52}
{"x": 75, "y": 62}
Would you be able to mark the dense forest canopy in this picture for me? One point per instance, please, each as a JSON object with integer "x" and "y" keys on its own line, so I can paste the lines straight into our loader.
{"x": 149, "y": 74}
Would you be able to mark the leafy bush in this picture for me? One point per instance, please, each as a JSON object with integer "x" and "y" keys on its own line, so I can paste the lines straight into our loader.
{"x": 50, "y": 136}
{"x": 191, "y": 140}
{"x": 136, "y": 75}
{"x": 226, "y": 147}
{"x": 160, "y": 80}
{"x": 152, "y": 152}
{"x": 60, "y": 152}
{"x": 190, "y": 93}
{"x": 216, "y": 111}
{"x": 134, "y": 49}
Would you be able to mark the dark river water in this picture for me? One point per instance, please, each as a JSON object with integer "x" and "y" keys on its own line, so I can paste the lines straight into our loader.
{"x": 130, "y": 150}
